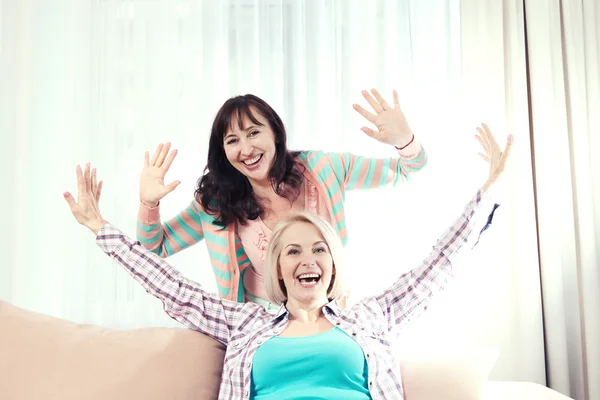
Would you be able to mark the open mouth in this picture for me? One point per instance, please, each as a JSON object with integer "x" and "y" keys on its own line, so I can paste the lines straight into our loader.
{"x": 253, "y": 161}
{"x": 308, "y": 280}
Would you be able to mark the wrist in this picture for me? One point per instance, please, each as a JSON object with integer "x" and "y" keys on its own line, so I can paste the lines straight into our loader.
{"x": 96, "y": 226}
{"x": 149, "y": 204}
{"x": 487, "y": 185}
{"x": 405, "y": 143}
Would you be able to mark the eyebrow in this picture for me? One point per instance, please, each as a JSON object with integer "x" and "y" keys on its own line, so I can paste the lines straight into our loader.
{"x": 314, "y": 244}
{"x": 251, "y": 127}
{"x": 246, "y": 129}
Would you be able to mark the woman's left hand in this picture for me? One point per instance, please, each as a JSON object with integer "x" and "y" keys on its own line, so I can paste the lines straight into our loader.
{"x": 392, "y": 126}
{"x": 492, "y": 153}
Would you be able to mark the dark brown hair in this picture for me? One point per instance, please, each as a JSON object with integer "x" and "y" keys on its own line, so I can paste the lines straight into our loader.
{"x": 225, "y": 192}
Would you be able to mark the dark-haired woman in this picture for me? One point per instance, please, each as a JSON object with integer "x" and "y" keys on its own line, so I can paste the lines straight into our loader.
{"x": 252, "y": 181}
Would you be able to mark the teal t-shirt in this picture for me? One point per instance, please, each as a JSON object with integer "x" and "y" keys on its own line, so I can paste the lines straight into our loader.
{"x": 330, "y": 365}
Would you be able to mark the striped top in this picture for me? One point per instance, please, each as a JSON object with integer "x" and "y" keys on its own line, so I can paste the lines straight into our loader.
{"x": 256, "y": 235}
{"x": 331, "y": 173}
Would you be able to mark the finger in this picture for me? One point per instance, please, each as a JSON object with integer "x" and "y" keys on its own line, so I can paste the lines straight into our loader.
{"x": 507, "y": 149}
{"x": 71, "y": 202}
{"x": 163, "y": 155}
{"x": 86, "y": 177}
{"x": 485, "y": 158}
{"x": 486, "y": 129}
{"x": 370, "y": 117}
{"x": 490, "y": 136}
{"x": 369, "y": 132}
{"x": 99, "y": 191}
{"x": 80, "y": 181}
{"x": 146, "y": 159}
{"x": 156, "y": 154}
{"x": 380, "y": 99}
{"x": 172, "y": 186}
{"x": 94, "y": 185}
{"x": 396, "y": 100}
{"x": 483, "y": 136}
{"x": 482, "y": 143}
{"x": 169, "y": 160}
{"x": 376, "y": 106}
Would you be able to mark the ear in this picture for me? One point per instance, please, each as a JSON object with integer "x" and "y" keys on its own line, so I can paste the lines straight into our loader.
{"x": 333, "y": 270}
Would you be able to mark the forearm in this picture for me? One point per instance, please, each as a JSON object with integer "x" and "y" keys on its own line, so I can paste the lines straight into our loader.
{"x": 184, "y": 300}
{"x": 149, "y": 230}
{"x": 413, "y": 158}
{"x": 413, "y": 291}
{"x": 359, "y": 172}
{"x": 178, "y": 233}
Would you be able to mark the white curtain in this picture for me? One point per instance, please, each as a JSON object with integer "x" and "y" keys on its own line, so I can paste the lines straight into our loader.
{"x": 105, "y": 80}
{"x": 564, "y": 54}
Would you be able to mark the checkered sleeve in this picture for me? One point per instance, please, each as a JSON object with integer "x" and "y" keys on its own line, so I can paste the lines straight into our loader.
{"x": 183, "y": 300}
{"x": 411, "y": 294}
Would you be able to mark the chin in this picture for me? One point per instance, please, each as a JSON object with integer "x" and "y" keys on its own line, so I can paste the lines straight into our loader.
{"x": 312, "y": 296}
{"x": 258, "y": 177}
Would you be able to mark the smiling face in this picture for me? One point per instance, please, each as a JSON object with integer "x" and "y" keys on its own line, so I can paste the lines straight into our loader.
{"x": 249, "y": 146}
{"x": 305, "y": 263}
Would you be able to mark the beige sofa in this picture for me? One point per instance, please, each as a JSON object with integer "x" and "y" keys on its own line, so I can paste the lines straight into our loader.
{"x": 46, "y": 358}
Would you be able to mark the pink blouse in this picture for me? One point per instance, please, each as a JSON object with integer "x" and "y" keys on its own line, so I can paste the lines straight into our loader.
{"x": 255, "y": 238}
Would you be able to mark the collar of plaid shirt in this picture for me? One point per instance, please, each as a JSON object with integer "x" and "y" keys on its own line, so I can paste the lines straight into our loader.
{"x": 362, "y": 322}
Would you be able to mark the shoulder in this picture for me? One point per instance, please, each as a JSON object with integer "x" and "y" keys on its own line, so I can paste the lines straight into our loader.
{"x": 205, "y": 217}
{"x": 252, "y": 317}
{"x": 368, "y": 308}
{"x": 197, "y": 208}
{"x": 316, "y": 159}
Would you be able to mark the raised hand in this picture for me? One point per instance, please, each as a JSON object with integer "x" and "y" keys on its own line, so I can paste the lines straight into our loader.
{"x": 152, "y": 178}
{"x": 392, "y": 126}
{"x": 85, "y": 209}
{"x": 492, "y": 153}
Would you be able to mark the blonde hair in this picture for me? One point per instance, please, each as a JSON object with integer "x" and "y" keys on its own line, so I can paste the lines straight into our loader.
{"x": 275, "y": 287}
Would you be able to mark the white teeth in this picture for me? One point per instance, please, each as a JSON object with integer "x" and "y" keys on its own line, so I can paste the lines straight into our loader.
{"x": 252, "y": 160}
{"x": 308, "y": 276}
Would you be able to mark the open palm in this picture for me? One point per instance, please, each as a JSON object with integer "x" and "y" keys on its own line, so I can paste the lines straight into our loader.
{"x": 392, "y": 126}
{"x": 152, "y": 177}
{"x": 492, "y": 153}
{"x": 85, "y": 209}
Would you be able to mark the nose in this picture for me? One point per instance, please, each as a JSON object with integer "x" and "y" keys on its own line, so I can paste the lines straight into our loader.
{"x": 246, "y": 148}
{"x": 308, "y": 261}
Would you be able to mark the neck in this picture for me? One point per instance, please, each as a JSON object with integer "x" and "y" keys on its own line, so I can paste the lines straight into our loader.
{"x": 305, "y": 312}
{"x": 263, "y": 189}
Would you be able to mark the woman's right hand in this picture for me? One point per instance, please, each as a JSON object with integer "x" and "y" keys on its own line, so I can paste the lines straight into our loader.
{"x": 85, "y": 209}
{"x": 152, "y": 178}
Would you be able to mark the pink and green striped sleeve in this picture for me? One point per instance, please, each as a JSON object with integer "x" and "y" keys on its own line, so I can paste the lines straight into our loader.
{"x": 360, "y": 172}
{"x": 178, "y": 233}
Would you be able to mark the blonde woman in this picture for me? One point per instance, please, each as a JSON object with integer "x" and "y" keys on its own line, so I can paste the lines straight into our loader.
{"x": 310, "y": 348}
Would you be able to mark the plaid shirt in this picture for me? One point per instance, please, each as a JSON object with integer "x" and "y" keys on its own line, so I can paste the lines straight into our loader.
{"x": 243, "y": 327}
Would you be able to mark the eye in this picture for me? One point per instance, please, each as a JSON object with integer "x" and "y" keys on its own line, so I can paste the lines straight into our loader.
{"x": 292, "y": 252}
{"x": 231, "y": 141}
{"x": 253, "y": 133}
{"x": 320, "y": 250}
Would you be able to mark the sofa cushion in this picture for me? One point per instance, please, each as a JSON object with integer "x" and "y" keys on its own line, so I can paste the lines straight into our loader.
{"x": 48, "y": 358}
{"x": 449, "y": 375}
